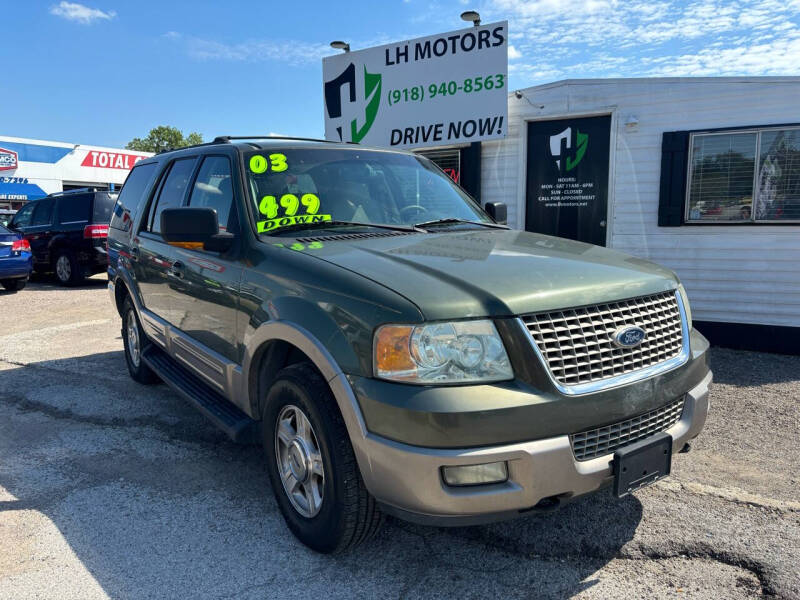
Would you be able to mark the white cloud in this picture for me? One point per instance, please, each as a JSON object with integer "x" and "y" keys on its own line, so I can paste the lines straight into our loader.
{"x": 288, "y": 51}
{"x": 554, "y": 39}
{"x": 79, "y": 13}
{"x": 776, "y": 57}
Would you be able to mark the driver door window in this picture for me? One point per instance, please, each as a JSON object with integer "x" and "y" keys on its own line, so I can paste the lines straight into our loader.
{"x": 173, "y": 191}
{"x": 213, "y": 189}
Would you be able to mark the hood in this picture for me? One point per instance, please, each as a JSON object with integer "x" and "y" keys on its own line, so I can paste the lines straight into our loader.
{"x": 494, "y": 272}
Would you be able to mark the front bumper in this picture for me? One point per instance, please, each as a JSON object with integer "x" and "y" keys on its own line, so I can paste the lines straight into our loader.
{"x": 407, "y": 480}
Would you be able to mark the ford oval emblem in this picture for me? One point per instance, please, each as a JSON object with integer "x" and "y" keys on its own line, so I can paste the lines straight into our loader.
{"x": 629, "y": 336}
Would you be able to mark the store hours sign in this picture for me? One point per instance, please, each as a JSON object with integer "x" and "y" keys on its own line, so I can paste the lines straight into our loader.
{"x": 444, "y": 89}
{"x": 567, "y": 178}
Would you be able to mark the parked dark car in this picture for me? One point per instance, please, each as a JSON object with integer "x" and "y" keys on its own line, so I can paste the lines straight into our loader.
{"x": 67, "y": 233}
{"x": 392, "y": 344}
{"x": 15, "y": 260}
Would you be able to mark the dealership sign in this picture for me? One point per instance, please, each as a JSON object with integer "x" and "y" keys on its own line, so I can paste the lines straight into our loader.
{"x": 111, "y": 160}
{"x": 8, "y": 160}
{"x": 444, "y": 89}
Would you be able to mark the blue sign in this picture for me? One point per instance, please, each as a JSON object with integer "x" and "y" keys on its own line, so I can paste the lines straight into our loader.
{"x": 18, "y": 188}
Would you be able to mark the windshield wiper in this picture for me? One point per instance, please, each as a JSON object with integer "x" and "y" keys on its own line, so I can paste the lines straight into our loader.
{"x": 337, "y": 223}
{"x": 457, "y": 221}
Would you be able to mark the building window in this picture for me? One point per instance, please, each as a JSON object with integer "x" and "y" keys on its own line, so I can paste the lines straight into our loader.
{"x": 744, "y": 176}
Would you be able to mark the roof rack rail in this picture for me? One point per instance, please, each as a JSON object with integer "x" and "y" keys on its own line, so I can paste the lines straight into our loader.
{"x": 187, "y": 147}
{"x": 82, "y": 190}
{"x": 224, "y": 139}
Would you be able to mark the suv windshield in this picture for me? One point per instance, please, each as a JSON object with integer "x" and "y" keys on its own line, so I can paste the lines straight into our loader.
{"x": 292, "y": 186}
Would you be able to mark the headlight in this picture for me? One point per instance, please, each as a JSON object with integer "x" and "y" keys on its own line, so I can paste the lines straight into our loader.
{"x": 456, "y": 352}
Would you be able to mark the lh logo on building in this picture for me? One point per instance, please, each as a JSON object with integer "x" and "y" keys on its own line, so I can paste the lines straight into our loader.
{"x": 562, "y": 143}
{"x": 8, "y": 160}
{"x": 364, "y": 109}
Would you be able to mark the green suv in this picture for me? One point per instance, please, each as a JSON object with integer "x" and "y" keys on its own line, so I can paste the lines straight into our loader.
{"x": 394, "y": 347}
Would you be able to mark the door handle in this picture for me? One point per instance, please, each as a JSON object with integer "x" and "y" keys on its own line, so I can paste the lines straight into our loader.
{"x": 603, "y": 223}
{"x": 177, "y": 269}
{"x": 134, "y": 253}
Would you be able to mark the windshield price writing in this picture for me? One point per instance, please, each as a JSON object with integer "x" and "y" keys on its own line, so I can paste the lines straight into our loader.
{"x": 276, "y": 163}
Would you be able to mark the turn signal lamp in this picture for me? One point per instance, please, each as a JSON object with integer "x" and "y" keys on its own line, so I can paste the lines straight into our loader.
{"x": 391, "y": 349}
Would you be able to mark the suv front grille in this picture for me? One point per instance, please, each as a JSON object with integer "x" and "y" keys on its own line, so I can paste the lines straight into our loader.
{"x": 604, "y": 440}
{"x": 577, "y": 344}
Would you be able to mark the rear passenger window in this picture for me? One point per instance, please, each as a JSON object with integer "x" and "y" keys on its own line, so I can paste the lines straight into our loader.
{"x": 43, "y": 215}
{"x": 131, "y": 196}
{"x": 173, "y": 190}
{"x": 73, "y": 209}
{"x": 213, "y": 188}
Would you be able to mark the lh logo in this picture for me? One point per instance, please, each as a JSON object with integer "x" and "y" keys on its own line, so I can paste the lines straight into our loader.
{"x": 369, "y": 104}
{"x": 562, "y": 142}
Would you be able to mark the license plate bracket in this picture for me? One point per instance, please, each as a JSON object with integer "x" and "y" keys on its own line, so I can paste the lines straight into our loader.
{"x": 642, "y": 463}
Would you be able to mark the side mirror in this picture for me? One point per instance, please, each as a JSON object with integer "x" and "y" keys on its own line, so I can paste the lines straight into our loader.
{"x": 194, "y": 228}
{"x": 498, "y": 211}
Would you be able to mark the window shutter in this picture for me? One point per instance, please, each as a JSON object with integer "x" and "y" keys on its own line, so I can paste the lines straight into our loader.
{"x": 672, "y": 192}
{"x": 471, "y": 170}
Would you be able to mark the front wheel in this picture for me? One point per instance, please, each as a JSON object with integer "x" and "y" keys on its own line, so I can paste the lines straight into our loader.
{"x": 311, "y": 464}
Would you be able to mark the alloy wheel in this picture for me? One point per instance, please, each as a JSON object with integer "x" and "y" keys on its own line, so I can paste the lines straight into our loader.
{"x": 63, "y": 268}
{"x": 299, "y": 461}
{"x": 132, "y": 338}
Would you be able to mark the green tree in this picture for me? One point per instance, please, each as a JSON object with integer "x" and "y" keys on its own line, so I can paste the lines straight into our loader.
{"x": 163, "y": 138}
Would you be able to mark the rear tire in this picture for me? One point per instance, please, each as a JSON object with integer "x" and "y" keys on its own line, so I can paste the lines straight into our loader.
{"x": 68, "y": 271}
{"x": 14, "y": 285}
{"x": 135, "y": 342}
{"x": 346, "y": 515}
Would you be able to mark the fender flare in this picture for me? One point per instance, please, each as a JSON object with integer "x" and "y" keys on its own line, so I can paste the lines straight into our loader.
{"x": 122, "y": 277}
{"x": 305, "y": 341}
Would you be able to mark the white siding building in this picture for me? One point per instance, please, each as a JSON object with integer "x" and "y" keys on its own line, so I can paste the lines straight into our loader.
{"x": 721, "y": 208}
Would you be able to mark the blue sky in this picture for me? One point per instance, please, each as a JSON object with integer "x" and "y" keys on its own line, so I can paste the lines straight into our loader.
{"x": 100, "y": 72}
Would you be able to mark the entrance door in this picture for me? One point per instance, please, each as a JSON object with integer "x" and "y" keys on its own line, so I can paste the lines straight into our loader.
{"x": 567, "y": 178}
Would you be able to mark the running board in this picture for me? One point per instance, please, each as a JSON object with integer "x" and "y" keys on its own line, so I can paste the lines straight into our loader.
{"x": 236, "y": 424}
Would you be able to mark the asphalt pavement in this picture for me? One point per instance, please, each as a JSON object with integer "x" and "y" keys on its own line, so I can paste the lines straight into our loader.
{"x": 110, "y": 489}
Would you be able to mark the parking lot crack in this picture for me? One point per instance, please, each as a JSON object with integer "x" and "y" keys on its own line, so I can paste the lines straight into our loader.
{"x": 767, "y": 578}
{"x": 736, "y": 496}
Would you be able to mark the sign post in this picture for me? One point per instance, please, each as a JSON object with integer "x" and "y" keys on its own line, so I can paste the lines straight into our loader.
{"x": 439, "y": 90}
